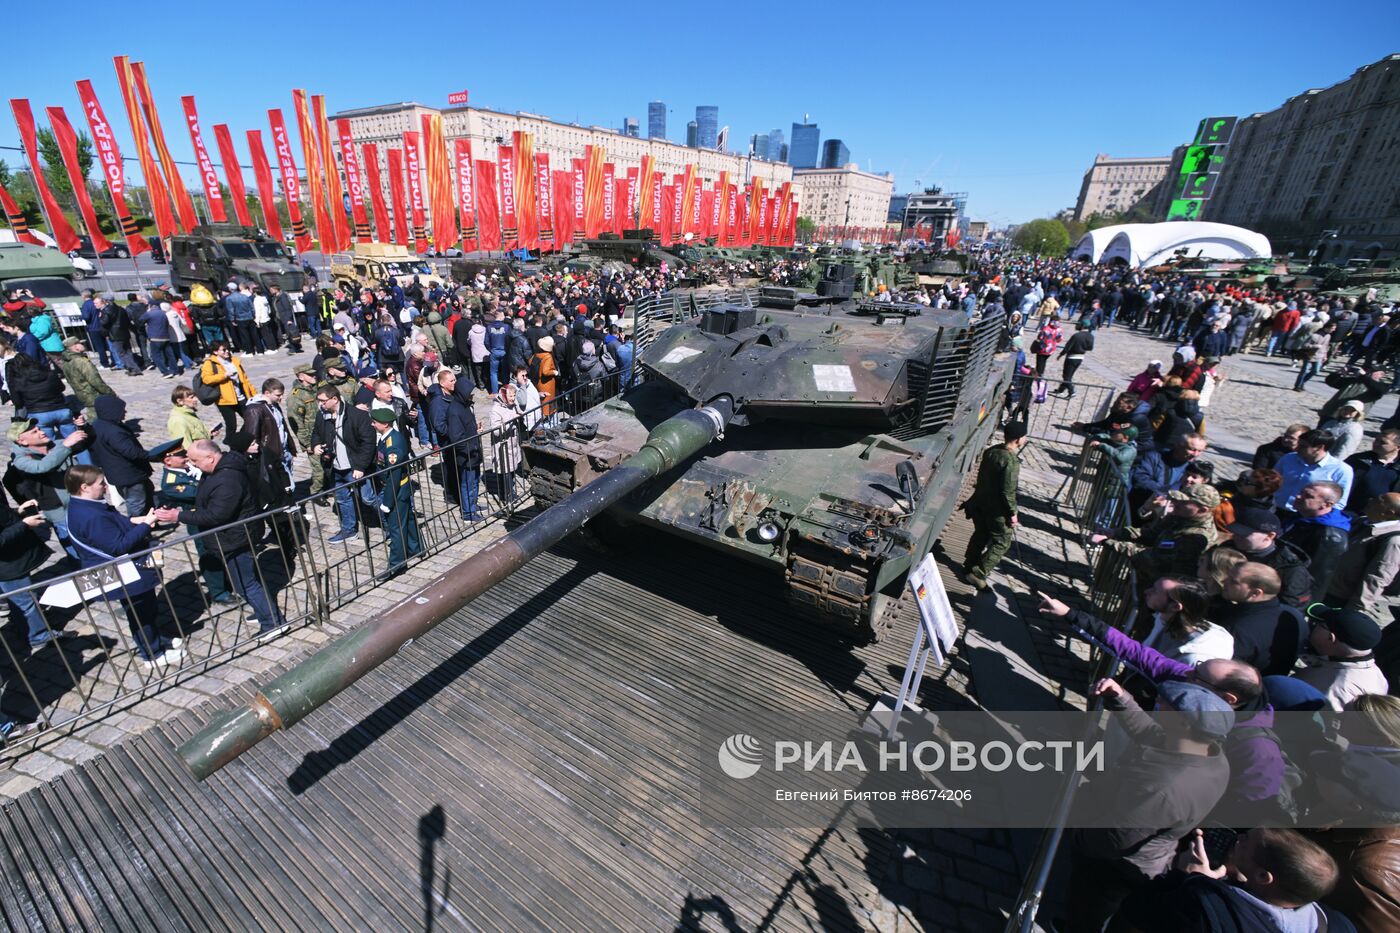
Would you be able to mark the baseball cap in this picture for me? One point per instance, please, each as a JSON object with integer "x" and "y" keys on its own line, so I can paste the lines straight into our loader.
{"x": 1206, "y": 496}
{"x": 1255, "y": 519}
{"x": 1354, "y": 405}
{"x": 1207, "y": 713}
{"x": 1353, "y": 628}
{"x": 19, "y": 427}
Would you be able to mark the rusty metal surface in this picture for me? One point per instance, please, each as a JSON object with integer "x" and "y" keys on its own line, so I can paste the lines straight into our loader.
{"x": 520, "y": 767}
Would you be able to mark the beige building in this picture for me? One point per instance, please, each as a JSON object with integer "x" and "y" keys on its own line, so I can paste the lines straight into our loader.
{"x": 978, "y": 229}
{"x": 844, "y": 196}
{"x": 1322, "y": 172}
{"x": 1116, "y": 186}
{"x": 489, "y": 129}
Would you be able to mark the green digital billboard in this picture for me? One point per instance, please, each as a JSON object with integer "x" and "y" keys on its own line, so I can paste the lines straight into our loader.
{"x": 1186, "y": 209}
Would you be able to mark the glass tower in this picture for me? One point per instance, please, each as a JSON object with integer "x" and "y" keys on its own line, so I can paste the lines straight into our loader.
{"x": 802, "y": 151}
{"x": 656, "y": 120}
{"x": 707, "y": 126}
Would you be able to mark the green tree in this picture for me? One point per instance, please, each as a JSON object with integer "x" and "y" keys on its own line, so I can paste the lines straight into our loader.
{"x": 1043, "y": 237}
{"x": 806, "y": 227}
{"x": 4, "y": 174}
{"x": 54, "y": 172}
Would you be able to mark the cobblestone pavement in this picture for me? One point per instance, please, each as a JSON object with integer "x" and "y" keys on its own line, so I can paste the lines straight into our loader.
{"x": 1253, "y": 405}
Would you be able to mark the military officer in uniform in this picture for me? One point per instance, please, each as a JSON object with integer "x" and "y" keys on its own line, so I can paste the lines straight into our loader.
{"x": 179, "y": 482}
{"x": 301, "y": 412}
{"x": 992, "y": 505}
{"x": 395, "y": 487}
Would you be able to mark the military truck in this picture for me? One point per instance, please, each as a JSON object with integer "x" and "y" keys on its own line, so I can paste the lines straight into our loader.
{"x": 370, "y": 264}
{"x": 216, "y": 254}
{"x": 48, "y": 275}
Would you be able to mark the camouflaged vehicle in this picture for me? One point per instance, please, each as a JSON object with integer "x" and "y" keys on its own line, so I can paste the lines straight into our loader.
{"x": 855, "y": 425}
{"x": 213, "y": 255}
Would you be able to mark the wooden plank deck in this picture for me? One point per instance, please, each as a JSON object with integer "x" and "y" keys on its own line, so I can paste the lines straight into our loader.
{"x": 521, "y": 767}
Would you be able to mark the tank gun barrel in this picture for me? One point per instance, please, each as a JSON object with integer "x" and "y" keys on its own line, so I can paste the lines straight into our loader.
{"x": 287, "y": 699}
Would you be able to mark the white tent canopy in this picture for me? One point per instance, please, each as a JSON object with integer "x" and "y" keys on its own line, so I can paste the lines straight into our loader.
{"x": 1092, "y": 244}
{"x": 1150, "y": 244}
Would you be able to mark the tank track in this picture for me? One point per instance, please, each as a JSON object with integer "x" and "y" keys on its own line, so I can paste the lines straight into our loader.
{"x": 842, "y": 598}
{"x": 547, "y": 487}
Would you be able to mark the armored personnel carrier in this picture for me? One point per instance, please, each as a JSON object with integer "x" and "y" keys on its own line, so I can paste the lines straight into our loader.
{"x": 213, "y": 255}
{"x": 369, "y": 265}
{"x": 855, "y": 424}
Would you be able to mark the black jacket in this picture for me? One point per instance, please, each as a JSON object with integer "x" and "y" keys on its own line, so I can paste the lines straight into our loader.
{"x": 1178, "y": 902}
{"x": 21, "y": 548}
{"x": 1323, "y": 544}
{"x": 224, "y": 497}
{"x": 1292, "y": 567}
{"x": 462, "y": 431}
{"x": 1079, "y": 343}
{"x": 355, "y": 431}
{"x": 32, "y": 387}
{"x": 1268, "y": 634}
{"x": 517, "y": 351}
{"x": 1267, "y": 456}
{"x": 115, "y": 448}
{"x": 1371, "y": 478}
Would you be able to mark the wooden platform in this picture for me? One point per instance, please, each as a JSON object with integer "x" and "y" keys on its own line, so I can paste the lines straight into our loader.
{"x": 521, "y": 767}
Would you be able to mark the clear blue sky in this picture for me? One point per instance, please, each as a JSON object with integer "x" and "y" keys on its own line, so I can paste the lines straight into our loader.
{"x": 1008, "y": 101}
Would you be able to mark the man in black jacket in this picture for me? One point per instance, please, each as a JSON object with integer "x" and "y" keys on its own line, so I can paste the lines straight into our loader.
{"x": 225, "y": 497}
{"x": 1073, "y": 352}
{"x": 1268, "y": 634}
{"x": 285, "y": 314}
{"x": 126, "y": 464}
{"x": 1318, "y": 529}
{"x": 465, "y": 440}
{"x": 344, "y": 440}
{"x": 1375, "y": 472}
{"x": 1267, "y": 456}
{"x": 1255, "y": 534}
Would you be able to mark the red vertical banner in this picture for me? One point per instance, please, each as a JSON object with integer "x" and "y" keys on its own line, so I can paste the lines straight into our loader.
{"x": 619, "y": 204}
{"x": 315, "y": 189}
{"x": 15, "y": 218}
{"x": 155, "y": 185}
{"x": 655, "y": 213}
{"x": 669, "y": 209}
{"x": 594, "y": 158}
{"x": 396, "y": 195}
{"x": 438, "y": 182}
{"x": 335, "y": 195}
{"x": 510, "y": 225}
{"x": 413, "y": 165}
{"x": 609, "y": 199}
{"x": 291, "y": 184}
{"x": 237, "y": 192}
{"x": 697, "y": 211}
{"x": 710, "y": 212}
{"x": 544, "y": 200}
{"x": 630, "y": 215}
{"x": 183, "y": 205}
{"x": 354, "y": 183}
{"x": 523, "y": 175}
{"x": 644, "y": 189}
{"x": 376, "y": 193}
{"x": 207, "y": 175}
{"x": 466, "y": 185}
{"x": 721, "y": 207}
{"x": 580, "y": 193}
{"x": 676, "y": 214}
{"x": 755, "y": 217}
{"x": 791, "y": 239}
{"x": 563, "y": 206}
{"x": 267, "y": 193}
{"x": 60, "y": 228}
{"x": 690, "y": 195}
{"x": 780, "y": 224}
{"x": 772, "y": 220}
{"x": 113, "y": 171}
{"x": 731, "y": 221}
{"x": 68, "y": 147}
{"x": 488, "y": 218}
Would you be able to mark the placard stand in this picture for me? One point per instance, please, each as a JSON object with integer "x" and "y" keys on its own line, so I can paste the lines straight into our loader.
{"x": 935, "y": 635}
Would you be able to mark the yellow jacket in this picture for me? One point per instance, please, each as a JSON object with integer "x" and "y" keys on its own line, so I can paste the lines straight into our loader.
{"x": 212, "y": 372}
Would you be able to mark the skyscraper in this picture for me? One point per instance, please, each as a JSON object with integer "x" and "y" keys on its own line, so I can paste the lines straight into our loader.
{"x": 760, "y": 145}
{"x": 656, "y": 119}
{"x": 630, "y": 127}
{"x": 802, "y": 151}
{"x": 707, "y": 126}
{"x": 692, "y": 134}
{"x": 775, "y": 145}
{"x": 835, "y": 154}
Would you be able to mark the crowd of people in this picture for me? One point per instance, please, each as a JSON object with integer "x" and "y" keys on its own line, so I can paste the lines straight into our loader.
{"x": 1267, "y": 593}
{"x": 395, "y": 370}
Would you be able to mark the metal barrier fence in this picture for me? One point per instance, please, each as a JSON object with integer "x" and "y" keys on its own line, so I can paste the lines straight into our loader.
{"x": 1098, "y": 497}
{"x": 217, "y": 594}
{"x": 1048, "y": 412}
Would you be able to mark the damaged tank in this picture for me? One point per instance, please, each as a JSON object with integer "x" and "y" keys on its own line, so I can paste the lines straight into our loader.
{"x": 855, "y": 424}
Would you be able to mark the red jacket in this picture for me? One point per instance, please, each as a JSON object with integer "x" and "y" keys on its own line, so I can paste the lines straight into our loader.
{"x": 1285, "y": 321}
{"x": 19, "y": 304}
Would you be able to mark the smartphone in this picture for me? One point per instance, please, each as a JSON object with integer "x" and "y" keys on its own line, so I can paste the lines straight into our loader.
{"x": 1218, "y": 842}
{"x": 217, "y": 429}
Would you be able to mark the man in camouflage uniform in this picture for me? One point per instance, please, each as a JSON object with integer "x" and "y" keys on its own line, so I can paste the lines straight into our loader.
{"x": 338, "y": 377}
{"x": 301, "y": 413}
{"x": 992, "y": 505}
{"x": 1172, "y": 545}
{"x": 82, "y": 377}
